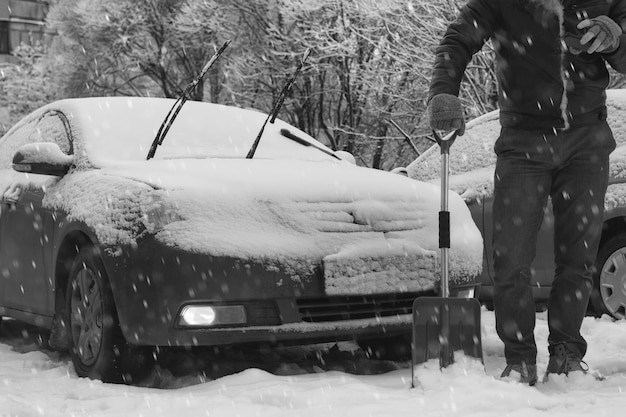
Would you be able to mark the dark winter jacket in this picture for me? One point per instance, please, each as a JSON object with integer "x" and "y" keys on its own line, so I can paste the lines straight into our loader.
{"x": 541, "y": 84}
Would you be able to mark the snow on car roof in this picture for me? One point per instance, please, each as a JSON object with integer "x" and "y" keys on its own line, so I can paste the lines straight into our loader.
{"x": 472, "y": 159}
{"x": 108, "y": 130}
{"x": 200, "y": 130}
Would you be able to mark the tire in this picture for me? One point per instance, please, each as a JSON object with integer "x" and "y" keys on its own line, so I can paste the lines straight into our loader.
{"x": 609, "y": 293}
{"x": 97, "y": 346}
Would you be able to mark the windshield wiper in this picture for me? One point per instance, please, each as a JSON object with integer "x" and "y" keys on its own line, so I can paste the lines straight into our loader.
{"x": 289, "y": 135}
{"x": 171, "y": 115}
{"x": 278, "y": 104}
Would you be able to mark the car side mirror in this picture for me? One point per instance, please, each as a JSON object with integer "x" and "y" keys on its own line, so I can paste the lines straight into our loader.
{"x": 43, "y": 158}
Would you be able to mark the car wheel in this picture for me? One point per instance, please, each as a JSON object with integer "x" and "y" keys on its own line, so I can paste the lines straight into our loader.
{"x": 609, "y": 292}
{"x": 97, "y": 347}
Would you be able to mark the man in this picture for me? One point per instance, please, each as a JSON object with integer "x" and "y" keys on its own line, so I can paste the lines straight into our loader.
{"x": 551, "y": 60}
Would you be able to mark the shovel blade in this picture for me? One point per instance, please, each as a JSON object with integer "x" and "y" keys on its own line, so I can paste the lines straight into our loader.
{"x": 442, "y": 326}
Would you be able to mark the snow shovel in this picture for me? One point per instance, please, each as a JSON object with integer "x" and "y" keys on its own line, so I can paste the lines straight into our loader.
{"x": 443, "y": 325}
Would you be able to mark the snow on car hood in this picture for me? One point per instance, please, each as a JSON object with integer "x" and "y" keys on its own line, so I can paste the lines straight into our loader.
{"x": 270, "y": 209}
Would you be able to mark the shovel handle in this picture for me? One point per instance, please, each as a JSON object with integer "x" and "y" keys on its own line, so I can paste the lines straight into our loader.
{"x": 446, "y": 141}
{"x": 444, "y": 214}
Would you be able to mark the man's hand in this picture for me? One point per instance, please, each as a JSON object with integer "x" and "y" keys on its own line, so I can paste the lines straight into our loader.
{"x": 445, "y": 112}
{"x": 603, "y": 32}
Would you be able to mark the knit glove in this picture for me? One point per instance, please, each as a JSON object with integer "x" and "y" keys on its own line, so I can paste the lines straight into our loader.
{"x": 603, "y": 32}
{"x": 446, "y": 113}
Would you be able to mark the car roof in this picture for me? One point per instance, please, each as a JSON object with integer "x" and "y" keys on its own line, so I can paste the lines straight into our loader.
{"x": 113, "y": 129}
{"x": 474, "y": 150}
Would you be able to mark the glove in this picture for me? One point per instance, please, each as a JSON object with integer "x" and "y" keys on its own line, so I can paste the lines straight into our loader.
{"x": 446, "y": 113}
{"x": 603, "y": 31}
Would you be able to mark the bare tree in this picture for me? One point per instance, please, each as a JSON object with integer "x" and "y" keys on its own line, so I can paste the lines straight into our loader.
{"x": 370, "y": 61}
{"x": 132, "y": 47}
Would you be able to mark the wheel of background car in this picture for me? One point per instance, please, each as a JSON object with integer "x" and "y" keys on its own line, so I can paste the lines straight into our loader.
{"x": 97, "y": 347}
{"x": 609, "y": 293}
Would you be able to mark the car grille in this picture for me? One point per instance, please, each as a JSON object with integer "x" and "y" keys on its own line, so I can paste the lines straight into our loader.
{"x": 362, "y": 216}
{"x": 326, "y": 309}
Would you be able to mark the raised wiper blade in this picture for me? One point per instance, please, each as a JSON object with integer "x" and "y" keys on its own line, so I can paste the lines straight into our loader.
{"x": 277, "y": 105}
{"x": 171, "y": 115}
{"x": 289, "y": 135}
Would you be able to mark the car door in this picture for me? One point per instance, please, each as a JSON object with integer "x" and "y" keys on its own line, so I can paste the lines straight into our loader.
{"x": 26, "y": 227}
{"x": 26, "y": 275}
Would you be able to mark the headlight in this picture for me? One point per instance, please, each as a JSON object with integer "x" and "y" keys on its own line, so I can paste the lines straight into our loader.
{"x": 201, "y": 315}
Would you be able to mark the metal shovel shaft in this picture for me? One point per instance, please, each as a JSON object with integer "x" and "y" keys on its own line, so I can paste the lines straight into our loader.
{"x": 444, "y": 224}
{"x": 447, "y": 355}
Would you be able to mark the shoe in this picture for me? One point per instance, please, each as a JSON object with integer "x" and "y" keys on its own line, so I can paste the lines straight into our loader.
{"x": 528, "y": 373}
{"x": 563, "y": 361}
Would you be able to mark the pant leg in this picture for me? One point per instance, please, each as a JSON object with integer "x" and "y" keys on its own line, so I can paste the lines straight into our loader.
{"x": 578, "y": 191}
{"x": 521, "y": 187}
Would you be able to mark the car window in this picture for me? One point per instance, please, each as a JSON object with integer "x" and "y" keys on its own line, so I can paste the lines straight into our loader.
{"x": 49, "y": 127}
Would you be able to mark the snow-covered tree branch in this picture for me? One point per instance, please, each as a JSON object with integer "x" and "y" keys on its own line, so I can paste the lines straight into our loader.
{"x": 370, "y": 61}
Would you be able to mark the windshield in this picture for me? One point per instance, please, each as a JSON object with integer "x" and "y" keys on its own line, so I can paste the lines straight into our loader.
{"x": 122, "y": 129}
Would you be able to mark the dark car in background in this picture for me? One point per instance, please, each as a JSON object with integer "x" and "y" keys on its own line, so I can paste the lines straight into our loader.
{"x": 202, "y": 245}
{"x": 472, "y": 165}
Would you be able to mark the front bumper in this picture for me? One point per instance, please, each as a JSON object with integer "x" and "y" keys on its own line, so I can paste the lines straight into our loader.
{"x": 152, "y": 284}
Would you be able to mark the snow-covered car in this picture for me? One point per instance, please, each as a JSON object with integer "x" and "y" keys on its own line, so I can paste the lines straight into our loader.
{"x": 202, "y": 245}
{"x": 472, "y": 166}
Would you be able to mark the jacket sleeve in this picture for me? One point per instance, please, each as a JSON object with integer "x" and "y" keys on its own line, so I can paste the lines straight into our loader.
{"x": 617, "y": 58}
{"x": 463, "y": 38}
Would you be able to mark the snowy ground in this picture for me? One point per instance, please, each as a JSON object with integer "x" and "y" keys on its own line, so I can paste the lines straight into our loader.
{"x": 329, "y": 381}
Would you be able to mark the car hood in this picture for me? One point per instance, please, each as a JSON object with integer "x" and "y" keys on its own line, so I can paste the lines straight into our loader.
{"x": 297, "y": 213}
{"x": 277, "y": 179}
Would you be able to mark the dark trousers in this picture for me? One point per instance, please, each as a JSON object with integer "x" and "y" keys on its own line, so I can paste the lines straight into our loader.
{"x": 570, "y": 167}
